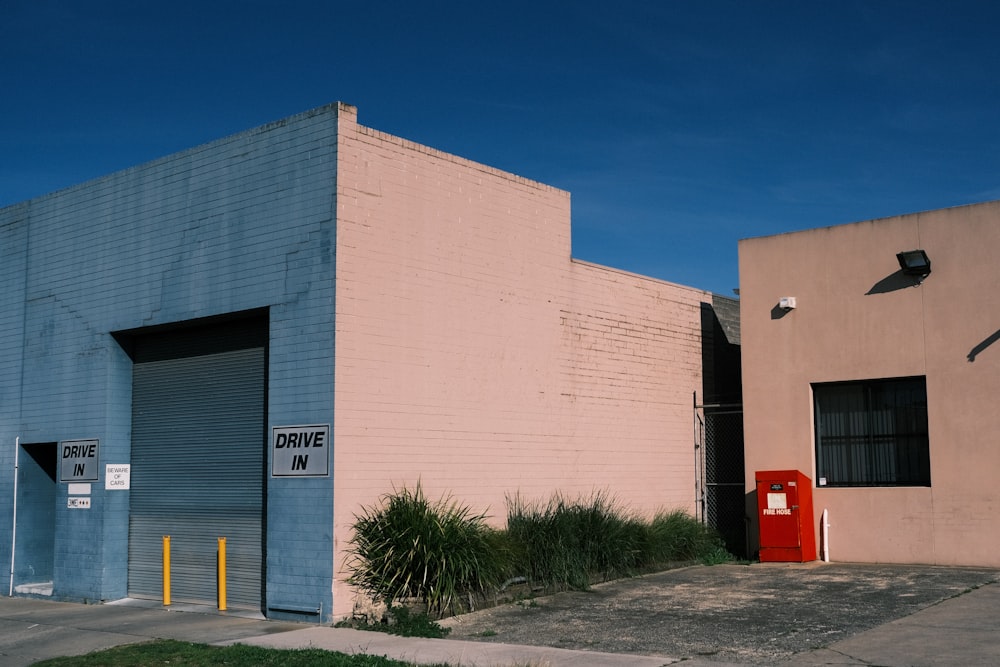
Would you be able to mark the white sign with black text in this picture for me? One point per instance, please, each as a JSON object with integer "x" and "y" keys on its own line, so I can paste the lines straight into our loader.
{"x": 300, "y": 451}
{"x": 117, "y": 476}
{"x": 78, "y": 460}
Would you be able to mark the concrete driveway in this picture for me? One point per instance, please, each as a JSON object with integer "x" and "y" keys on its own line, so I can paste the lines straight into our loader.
{"x": 761, "y": 614}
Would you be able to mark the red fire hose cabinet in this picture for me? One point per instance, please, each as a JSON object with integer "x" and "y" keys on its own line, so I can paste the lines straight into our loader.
{"x": 785, "y": 515}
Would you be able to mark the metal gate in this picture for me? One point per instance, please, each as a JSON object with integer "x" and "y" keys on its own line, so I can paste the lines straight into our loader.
{"x": 198, "y": 412}
{"x": 719, "y": 469}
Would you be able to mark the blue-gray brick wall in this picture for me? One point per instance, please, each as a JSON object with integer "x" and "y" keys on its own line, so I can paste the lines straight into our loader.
{"x": 244, "y": 222}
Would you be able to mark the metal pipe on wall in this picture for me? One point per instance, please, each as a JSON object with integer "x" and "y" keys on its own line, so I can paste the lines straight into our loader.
{"x": 13, "y": 530}
{"x": 825, "y": 534}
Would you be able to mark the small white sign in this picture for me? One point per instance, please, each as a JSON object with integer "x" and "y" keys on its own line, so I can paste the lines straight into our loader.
{"x": 78, "y": 503}
{"x": 118, "y": 476}
{"x": 777, "y": 501}
{"x": 79, "y": 489}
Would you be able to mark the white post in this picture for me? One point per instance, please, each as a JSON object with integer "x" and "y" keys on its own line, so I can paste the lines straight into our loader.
{"x": 825, "y": 532}
{"x": 13, "y": 530}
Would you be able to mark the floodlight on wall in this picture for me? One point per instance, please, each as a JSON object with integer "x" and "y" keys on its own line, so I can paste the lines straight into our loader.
{"x": 787, "y": 303}
{"x": 914, "y": 263}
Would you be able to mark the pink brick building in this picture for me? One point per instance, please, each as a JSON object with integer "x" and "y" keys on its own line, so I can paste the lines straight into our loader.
{"x": 475, "y": 354}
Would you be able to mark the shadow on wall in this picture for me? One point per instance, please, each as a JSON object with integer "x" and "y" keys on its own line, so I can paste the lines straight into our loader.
{"x": 893, "y": 282}
{"x": 978, "y": 349}
{"x": 778, "y": 312}
{"x": 897, "y": 281}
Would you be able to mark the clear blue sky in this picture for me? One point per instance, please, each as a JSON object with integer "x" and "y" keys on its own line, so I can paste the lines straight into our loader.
{"x": 678, "y": 127}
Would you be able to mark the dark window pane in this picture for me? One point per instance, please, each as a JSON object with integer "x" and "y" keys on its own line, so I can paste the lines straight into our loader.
{"x": 872, "y": 433}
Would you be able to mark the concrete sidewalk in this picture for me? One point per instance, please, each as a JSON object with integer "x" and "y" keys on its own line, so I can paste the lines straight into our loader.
{"x": 454, "y": 652}
{"x": 34, "y": 630}
{"x": 963, "y": 630}
{"x": 757, "y": 615}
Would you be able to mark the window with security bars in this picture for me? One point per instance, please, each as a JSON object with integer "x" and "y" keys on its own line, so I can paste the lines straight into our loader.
{"x": 872, "y": 433}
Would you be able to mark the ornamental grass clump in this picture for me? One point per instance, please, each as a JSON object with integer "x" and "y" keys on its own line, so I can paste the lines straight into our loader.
{"x": 407, "y": 547}
{"x": 565, "y": 543}
{"x": 677, "y": 536}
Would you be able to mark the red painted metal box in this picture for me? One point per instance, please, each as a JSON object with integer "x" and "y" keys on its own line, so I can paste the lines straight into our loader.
{"x": 785, "y": 515}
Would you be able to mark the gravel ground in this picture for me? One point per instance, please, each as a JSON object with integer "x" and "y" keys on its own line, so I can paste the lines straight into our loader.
{"x": 756, "y": 614}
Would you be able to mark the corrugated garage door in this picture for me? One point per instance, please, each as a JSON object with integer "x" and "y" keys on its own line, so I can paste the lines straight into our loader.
{"x": 198, "y": 463}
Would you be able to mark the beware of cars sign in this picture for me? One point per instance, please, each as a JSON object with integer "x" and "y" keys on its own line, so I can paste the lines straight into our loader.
{"x": 118, "y": 476}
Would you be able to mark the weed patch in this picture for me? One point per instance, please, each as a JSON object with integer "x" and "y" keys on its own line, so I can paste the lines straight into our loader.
{"x": 403, "y": 622}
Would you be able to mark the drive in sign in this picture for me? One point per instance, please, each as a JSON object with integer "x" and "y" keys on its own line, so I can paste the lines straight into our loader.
{"x": 78, "y": 460}
{"x": 300, "y": 451}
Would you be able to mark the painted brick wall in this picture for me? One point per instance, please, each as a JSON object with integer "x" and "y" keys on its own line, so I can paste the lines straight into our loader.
{"x": 632, "y": 355}
{"x": 471, "y": 352}
{"x": 13, "y": 255}
{"x": 474, "y": 356}
{"x": 243, "y": 222}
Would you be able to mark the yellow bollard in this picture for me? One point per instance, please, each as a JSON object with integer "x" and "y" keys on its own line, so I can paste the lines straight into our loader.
{"x": 222, "y": 573}
{"x": 166, "y": 570}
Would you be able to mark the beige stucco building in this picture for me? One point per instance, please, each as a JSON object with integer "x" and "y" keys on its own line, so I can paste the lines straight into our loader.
{"x": 881, "y": 386}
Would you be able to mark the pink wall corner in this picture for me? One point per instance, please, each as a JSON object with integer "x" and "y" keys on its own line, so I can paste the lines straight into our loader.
{"x": 474, "y": 356}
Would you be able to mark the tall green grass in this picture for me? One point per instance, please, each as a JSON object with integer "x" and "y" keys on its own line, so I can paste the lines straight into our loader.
{"x": 565, "y": 542}
{"x": 441, "y": 553}
{"x": 408, "y": 547}
{"x": 677, "y": 536}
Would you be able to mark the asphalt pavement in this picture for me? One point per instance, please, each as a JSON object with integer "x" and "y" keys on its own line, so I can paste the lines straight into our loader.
{"x": 773, "y": 614}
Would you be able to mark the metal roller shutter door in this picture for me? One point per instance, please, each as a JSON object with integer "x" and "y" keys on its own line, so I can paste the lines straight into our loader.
{"x": 198, "y": 474}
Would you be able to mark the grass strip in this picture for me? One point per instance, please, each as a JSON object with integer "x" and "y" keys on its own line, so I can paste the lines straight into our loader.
{"x": 185, "y": 654}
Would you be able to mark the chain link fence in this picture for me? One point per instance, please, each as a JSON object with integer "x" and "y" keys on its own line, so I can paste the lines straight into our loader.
{"x": 720, "y": 469}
